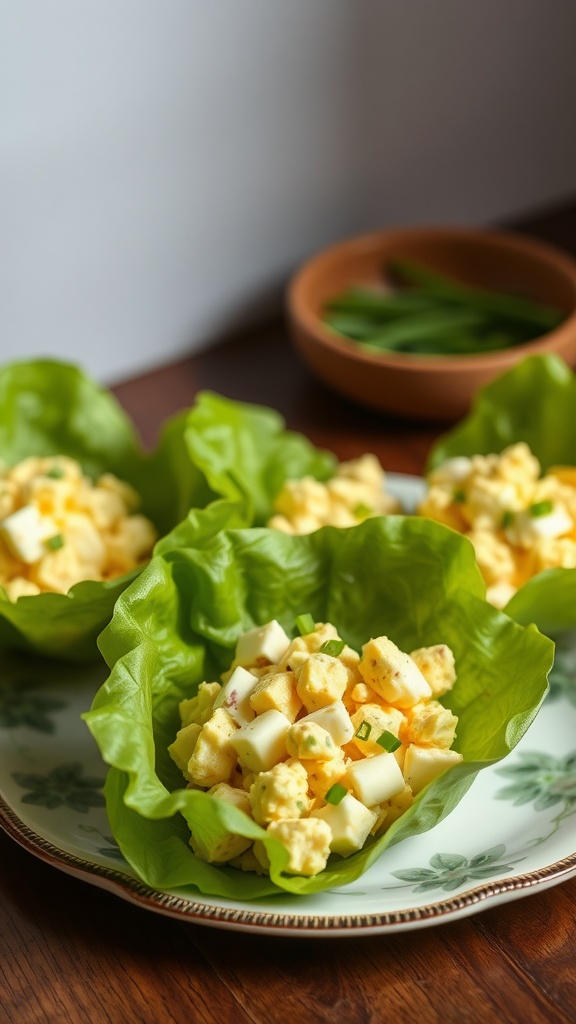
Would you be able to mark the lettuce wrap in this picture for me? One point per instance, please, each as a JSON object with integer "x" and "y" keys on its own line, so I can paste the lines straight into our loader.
{"x": 178, "y": 623}
{"x": 244, "y": 452}
{"x": 52, "y": 408}
{"x": 534, "y": 402}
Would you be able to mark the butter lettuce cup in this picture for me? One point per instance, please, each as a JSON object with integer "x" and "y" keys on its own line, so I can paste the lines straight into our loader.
{"x": 61, "y": 433}
{"x": 178, "y": 626}
{"x": 526, "y": 417}
{"x": 245, "y": 453}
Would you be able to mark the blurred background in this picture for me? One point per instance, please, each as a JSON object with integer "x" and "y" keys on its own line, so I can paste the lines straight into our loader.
{"x": 166, "y": 164}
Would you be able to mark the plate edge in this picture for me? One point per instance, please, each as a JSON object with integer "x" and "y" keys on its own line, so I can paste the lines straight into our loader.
{"x": 140, "y": 894}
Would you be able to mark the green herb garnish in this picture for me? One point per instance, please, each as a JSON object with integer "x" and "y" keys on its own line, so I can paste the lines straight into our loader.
{"x": 305, "y": 624}
{"x": 541, "y": 508}
{"x": 507, "y": 519}
{"x": 363, "y": 731}
{"x": 362, "y": 511}
{"x": 55, "y": 472}
{"x": 459, "y": 496}
{"x": 389, "y": 741}
{"x": 56, "y": 542}
{"x": 335, "y": 794}
{"x": 332, "y": 647}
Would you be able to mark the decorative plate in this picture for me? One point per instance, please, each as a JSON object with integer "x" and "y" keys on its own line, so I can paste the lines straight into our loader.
{"x": 512, "y": 834}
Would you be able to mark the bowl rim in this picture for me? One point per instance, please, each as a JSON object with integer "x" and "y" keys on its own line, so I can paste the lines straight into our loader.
{"x": 513, "y": 241}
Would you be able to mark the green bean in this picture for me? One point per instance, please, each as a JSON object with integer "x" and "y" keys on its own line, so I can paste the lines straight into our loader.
{"x": 381, "y": 305}
{"x": 434, "y": 315}
{"x": 419, "y": 326}
{"x": 514, "y": 307}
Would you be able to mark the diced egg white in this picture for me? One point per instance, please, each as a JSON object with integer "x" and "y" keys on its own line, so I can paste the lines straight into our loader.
{"x": 375, "y": 779}
{"x": 335, "y": 719}
{"x": 454, "y": 470}
{"x": 262, "y": 742}
{"x": 235, "y": 696}
{"x": 422, "y": 764}
{"x": 26, "y": 532}
{"x": 264, "y": 644}
{"x": 350, "y": 823}
{"x": 526, "y": 528}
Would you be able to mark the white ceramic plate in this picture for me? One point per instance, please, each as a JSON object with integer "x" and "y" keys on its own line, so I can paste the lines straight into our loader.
{"x": 512, "y": 834}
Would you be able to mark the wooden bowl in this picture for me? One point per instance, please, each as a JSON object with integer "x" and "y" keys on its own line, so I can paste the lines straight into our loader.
{"x": 427, "y": 387}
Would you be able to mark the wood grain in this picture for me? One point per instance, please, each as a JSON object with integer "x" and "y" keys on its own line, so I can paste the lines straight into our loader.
{"x": 538, "y": 937}
{"x": 70, "y": 952}
{"x": 445, "y": 974}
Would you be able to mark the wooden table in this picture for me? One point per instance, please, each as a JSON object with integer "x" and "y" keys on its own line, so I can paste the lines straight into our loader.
{"x": 71, "y": 952}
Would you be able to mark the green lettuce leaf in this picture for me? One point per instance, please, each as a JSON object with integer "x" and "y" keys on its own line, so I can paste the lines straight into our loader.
{"x": 178, "y": 623}
{"x": 245, "y": 452}
{"x": 49, "y": 408}
{"x": 534, "y": 402}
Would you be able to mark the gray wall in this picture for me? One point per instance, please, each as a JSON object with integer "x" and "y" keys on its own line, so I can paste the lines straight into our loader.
{"x": 166, "y": 163}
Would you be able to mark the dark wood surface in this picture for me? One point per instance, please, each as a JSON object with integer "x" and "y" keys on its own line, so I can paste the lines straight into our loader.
{"x": 71, "y": 952}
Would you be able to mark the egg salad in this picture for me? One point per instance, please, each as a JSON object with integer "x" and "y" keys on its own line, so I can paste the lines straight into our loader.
{"x": 58, "y": 527}
{"x": 356, "y": 492}
{"x": 520, "y": 521}
{"x": 319, "y": 745}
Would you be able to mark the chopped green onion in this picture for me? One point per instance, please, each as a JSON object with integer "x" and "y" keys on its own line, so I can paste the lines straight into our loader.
{"x": 362, "y": 511}
{"x": 332, "y": 647}
{"x": 507, "y": 519}
{"x": 55, "y": 542}
{"x": 459, "y": 496}
{"x": 55, "y": 472}
{"x": 389, "y": 741}
{"x": 305, "y": 624}
{"x": 541, "y": 508}
{"x": 335, "y": 794}
{"x": 310, "y": 741}
{"x": 363, "y": 731}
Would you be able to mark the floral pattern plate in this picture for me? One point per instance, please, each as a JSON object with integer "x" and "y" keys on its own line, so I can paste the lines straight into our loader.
{"x": 512, "y": 834}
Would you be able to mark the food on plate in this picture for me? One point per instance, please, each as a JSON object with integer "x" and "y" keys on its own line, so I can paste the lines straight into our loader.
{"x": 318, "y": 744}
{"x": 428, "y": 313}
{"x": 72, "y": 471}
{"x": 534, "y": 403}
{"x": 58, "y": 527}
{"x": 187, "y": 653}
{"x": 520, "y": 521}
{"x": 245, "y": 453}
{"x": 355, "y": 492}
